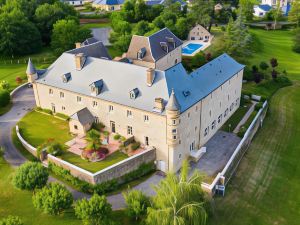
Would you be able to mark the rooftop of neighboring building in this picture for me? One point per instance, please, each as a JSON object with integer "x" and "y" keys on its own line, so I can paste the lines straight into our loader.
{"x": 108, "y": 2}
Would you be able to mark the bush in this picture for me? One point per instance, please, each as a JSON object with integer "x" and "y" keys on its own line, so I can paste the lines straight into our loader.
{"x": 258, "y": 106}
{"x": 103, "y": 150}
{"x": 19, "y": 80}
{"x": 98, "y": 126}
{"x": 117, "y": 136}
{"x": 53, "y": 199}
{"x": 30, "y": 175}
{"x": 51, "y": 147}
{"x": 4, "y": 98}
{"x": 135, "y": 145}
{"x": 248, "y": 75}
{"x": 4, "y": 85}
{"x": 11, "y": 220}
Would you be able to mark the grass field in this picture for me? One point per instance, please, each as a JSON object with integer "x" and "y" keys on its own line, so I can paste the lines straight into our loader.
{"x": 94, "y": 166}
{"x": 36, "y": 128}
{"x": 96, "y": 25}
{"x": 19, "y": 203}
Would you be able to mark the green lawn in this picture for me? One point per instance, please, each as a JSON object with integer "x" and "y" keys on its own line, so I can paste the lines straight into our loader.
{"x": 19, "y": 203}
{"x": 235, "y": 118}
{"x": 94, "y": 166}
{"x": 96, "y": 25}
{"x": 36, "y": 128}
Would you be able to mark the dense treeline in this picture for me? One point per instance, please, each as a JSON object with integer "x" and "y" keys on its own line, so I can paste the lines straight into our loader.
{"x": 27, "y": 25}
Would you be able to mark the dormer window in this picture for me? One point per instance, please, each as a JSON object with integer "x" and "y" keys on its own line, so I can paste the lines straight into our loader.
{"x": 171, "y": 41}
{"x": 134, "y": 93}
{"x": 164, "y": 46}
{"x": 186, "y": 93}
{"x": 96, "y": 87}
{"x": 66, "y": 77}
{"x": 141, "y": 53}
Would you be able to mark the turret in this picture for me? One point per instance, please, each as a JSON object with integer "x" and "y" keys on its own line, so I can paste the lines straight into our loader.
{"x": 173, "y": 114}
{"x": 31, "y": 72}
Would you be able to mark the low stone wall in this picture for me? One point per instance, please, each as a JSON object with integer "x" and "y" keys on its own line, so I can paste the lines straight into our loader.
{"x": 25, "y": 144}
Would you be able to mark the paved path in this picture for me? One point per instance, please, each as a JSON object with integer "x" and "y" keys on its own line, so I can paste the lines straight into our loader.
{"x": 245, "y": 118}
{"x": 23, "y": 102}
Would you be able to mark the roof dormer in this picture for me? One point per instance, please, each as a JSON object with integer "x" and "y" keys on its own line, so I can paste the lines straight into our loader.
{"x": 171, "y": 41}
{"x": 133, "y": 94}
{"x": 96, "y": 87}
{"x": 66, "y": 77}
{"x": 164, "y": 46}
{"x": 141, "y": 53}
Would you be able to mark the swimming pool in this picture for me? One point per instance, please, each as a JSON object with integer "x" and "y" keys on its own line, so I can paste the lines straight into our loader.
{"x": 191, "y": 48}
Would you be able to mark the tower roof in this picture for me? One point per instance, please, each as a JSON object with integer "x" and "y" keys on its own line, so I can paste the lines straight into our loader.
{"x": 173, "y": 104}
{"x": 30, "y": 68}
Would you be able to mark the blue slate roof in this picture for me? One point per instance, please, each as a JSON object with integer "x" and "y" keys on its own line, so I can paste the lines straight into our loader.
{"x": 109, "y": 2}
{"x": 265, "y": 7}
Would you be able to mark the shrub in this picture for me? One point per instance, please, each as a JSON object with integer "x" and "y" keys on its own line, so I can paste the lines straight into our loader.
{"x": 106, "y": 133}
{"x": 258, "y": 106}
{"x": 103, "y": 150}
{"x": 19, "y": 80}
{"x": 117, "y": 136}
{"x": 98, "y": 126}
{"x": 4, "y": 98}
{"x": 95, "y": 211}
{"x": 51, "y": 147}
{"x": 137, "y": 203}
{"x": 135, "y": 145}
{"x": 11, "y": 220}
{"x": 62, "y": 116}
{"x": 248, "y": 75}
{"x": 30, "y": 175}
{"x": 53, "y": 199}
{"x": 263, "y": 65}
{"x": 4, "y": 85}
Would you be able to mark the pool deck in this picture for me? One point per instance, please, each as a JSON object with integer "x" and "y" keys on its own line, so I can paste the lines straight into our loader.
{"x": 204, "y": 46}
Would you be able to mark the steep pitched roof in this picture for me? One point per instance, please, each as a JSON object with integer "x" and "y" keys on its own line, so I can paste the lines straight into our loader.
{"x": 173, "y": 104}
{"x": 30, "y": 68}
{"x": 84, "y": 116}
{"x": 96, "y": 50}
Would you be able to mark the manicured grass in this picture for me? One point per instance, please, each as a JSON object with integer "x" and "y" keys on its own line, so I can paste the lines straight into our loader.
{"x": 19, "y": 203}
{"x": 94, "y": 166}
{"x": 96, "y": 25}
{"x": 36, "y": 128}
{"x": 266, "y": 188}
{"x": 236, "y": 118}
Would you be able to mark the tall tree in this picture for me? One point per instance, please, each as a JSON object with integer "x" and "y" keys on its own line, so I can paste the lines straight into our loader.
{"x": 294, "y": 14}
{"x": 179, "y": 200}
{"x": 202, "y": 11}
{"x": 247, "y": 8}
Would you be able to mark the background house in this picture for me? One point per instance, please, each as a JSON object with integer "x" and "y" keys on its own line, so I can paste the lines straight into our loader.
{"x": 108, "y": 5}
{"x": 199, "y": 33}
{"x": 261, "y": 10}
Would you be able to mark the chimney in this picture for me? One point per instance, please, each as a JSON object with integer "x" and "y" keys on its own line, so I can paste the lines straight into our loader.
{"x": 159, "y": 104}
{"x": 79, "y": 61}
{"x": 150, "y": 76}
{"x": 78, "y": 45}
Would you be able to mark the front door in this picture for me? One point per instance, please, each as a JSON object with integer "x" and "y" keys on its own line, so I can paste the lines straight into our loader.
{"x": 113, "y": 126}
{"x": 53, "y": 108}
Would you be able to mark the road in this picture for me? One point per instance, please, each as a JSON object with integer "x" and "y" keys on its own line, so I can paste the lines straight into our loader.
{"x": 23, "y": 102}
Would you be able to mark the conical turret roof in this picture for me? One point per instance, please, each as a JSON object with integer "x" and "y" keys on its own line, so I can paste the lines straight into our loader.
{"x": 173, "y": 104}
{"x": 30, "y": 68}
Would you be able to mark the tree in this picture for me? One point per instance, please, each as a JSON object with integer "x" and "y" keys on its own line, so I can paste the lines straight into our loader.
{"x": 93, "y": 139}
{"x": 274, "y": 62}
{"x": 66, "y": 33}
{"x": 18, "y": 36}
{"x": 137, "y": 203}
{"x": 95, "y": 211}
{"x": 142, "y": 28}
{"x": 11, "y": 220}
{"x": 247, "y": 9}
{"x": 140, "y": 9}
{"x": 256, "y": 74}
{"x": 296, "y": 46}
{"x": 294, "y": 14}
{"x": 53, "y": 199}
{"x": 182, "y": 27}
{"x": 47, "y": 15}
{"x": 263, "y": 65}
{"x": 202, "y": 11}
{"x": 30, "y": 175}
{"x": 274, "y": 74}
{"x": 178, "y": 200}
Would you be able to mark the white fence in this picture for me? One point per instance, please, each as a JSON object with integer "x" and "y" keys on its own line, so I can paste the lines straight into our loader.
{"x": 225, "y": 175}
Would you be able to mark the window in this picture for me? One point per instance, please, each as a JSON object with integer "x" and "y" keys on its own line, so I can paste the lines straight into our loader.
{"x": 174, "y": 131}
{"x": 179, "y": 156}
{"x": 75, "y": 127}
{"x": 213, "y": 125}
{"x": 129, "y": 113}
{"x": 61, "y": 95}
{"x": 220, "y": 104}
{"x": 188, "y": 115}
{"x": 146, "y": 141}
{"x": 95, "y": 104}
{"x": 175, "y": 61}
{"x": 228, "y": 97}
{"x": 146, "y": 118}
{"x": 206, "y": 131}
{"x": 192, "y": 146}
{"x": 129, "y": 130}
{"x": 231, "y": 107}
{"x": 195, "y": 128}
{"x": 220, "y": 119}
{"x": 179, "y": 141}
{"x": 97, "y": 119}
{"x": 63, "y": 108}
{"x": 110, "y": 108}
{"x": 237, "y": 101}
{"x": 196, "y": 108}
{"x": 226, "y": 112}
{"x": 174, "y": 137}
{"x": 78, "y": 99}
{"x": 50, "y": 91}
{"x": 174, "y": 122}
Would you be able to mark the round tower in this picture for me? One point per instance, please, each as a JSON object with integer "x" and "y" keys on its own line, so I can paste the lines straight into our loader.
{"x": 31, "y": 72}
{"x": 173, "y": 114}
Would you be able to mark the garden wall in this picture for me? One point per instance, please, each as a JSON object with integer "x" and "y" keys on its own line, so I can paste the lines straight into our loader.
{"x": 25, "y": 144}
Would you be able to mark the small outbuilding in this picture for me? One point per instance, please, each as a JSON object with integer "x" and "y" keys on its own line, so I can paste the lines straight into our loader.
{"x": 81, "y": 121}
{"x": 261, "y": 10}
{"x": 199, "y": 33}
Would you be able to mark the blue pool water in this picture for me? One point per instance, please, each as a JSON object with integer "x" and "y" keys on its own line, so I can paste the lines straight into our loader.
{"x": 191, "y": 48}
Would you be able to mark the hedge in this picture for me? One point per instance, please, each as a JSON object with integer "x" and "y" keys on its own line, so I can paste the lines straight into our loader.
{"x": 4, "y": 98}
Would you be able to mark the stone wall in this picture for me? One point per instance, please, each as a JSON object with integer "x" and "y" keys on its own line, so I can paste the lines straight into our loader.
{"x": 25, "y": 144}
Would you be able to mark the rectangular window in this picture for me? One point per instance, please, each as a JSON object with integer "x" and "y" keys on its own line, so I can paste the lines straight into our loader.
{"x": 206, "y": 131}
{"x": 174, "y": 137}
{"x": 174, "y": 122}
{"x": 129, "y": 130}
{"x": 146, "y": 141}
{"x": 129, "y": 113}
{"x": 226, "y": 112}
{"x": 213, "y": 125}
{"x": 63, "y": 108}
{"x": 78, "y": 99}
{"x": 174, "y": 131}
{"x": 97, "y": 119}
{"x": 75, "y": 127}
{"x": 61, "y": 95}
{"x": 110, "y": 108}
{"x": 146, "y": 118}
{"x": 50, "y": 91}
{"x": 220, "y": 119}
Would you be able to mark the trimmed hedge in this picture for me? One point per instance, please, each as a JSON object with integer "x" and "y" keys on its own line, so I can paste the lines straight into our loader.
{"x": 105, "y": 187}
{"x": 4, "y": 98}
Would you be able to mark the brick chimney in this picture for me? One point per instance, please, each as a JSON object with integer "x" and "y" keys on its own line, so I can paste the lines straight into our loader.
{"x": 150, "y": 76}
{"x": 79, "y": 61}
{"x": 159, "y": 104}
{"x": 78, "y": 45}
